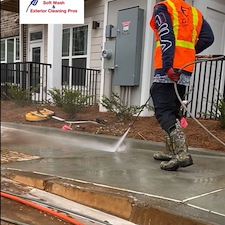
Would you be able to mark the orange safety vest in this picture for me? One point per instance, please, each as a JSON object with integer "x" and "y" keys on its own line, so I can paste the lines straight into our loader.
{"x": 187, "y": 23}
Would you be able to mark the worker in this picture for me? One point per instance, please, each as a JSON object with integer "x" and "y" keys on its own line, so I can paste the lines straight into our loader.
{"x": 181, "y": 32}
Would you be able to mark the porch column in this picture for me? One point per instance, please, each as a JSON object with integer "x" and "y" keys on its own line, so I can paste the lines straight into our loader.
{"x": 54, "y": 55}
{"x": 147, "y": 60}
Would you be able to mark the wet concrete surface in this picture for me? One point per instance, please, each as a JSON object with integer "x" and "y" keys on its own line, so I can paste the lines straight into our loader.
{"x": 92, "y": 158}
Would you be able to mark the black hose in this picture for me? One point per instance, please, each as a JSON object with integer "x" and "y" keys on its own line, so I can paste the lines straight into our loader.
{"x": 142, "y": 108}
{"x": 184, "y": 106}
{"x": 199, "y": 60}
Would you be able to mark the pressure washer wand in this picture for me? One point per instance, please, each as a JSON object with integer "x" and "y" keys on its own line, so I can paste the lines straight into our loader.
{"x": 141, "y": 110}
{"x": 117, "y": 146}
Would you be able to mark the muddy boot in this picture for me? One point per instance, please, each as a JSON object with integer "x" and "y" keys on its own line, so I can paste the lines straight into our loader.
{"x": 168, "y": 153}
{"x": 181, "y": 158}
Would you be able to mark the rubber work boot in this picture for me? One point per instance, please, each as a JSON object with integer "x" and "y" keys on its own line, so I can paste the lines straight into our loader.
{"x": 168, "y": 154}
{"x": 181, "y": 158}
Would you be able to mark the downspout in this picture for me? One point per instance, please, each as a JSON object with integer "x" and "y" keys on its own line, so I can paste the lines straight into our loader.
{"x": 147, "y": 60}
{"x": 102, "y": 84}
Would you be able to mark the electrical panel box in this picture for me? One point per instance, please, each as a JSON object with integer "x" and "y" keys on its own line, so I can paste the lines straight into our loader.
{"x": 108, "y": 54}
{"x": 128, "y": 47}
{"x": 110, "y": 31}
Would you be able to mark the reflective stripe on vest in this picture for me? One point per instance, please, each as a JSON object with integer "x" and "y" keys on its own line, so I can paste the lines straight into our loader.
{"x": 181, "y": 43}
{"x": 185, "y": 44}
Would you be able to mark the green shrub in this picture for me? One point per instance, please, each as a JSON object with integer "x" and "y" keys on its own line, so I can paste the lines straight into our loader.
{"x": 69, "y": 100}
{"x": 57, "y": 96}
{"x": 19, "y": 95}
{"x": 119, "y": 109}
{"x": 218, "y": 110}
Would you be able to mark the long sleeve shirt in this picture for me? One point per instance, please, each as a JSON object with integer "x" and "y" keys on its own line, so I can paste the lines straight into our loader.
{"x": 167, "y": 40}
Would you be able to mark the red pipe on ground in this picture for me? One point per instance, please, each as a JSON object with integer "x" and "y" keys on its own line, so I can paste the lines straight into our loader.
{"x": 42, "y": 208}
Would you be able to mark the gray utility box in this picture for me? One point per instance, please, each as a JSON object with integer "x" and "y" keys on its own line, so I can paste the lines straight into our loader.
{"x": 128, "y": 47}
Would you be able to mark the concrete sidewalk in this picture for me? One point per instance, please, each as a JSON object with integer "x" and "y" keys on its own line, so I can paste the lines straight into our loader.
{"x": 134, "y": 186}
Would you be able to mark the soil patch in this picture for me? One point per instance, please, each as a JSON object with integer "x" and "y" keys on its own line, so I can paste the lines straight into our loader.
{"x": 145, "y": 128}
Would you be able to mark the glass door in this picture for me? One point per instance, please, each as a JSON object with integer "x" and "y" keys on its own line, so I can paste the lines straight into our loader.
{"x": 35, "y": 72}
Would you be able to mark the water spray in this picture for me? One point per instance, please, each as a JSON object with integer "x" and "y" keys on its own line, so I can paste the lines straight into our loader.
{"x": 118, "y": 144}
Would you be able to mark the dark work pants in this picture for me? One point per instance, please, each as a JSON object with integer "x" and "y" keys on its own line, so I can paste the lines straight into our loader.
{"x": 166, "y": 104}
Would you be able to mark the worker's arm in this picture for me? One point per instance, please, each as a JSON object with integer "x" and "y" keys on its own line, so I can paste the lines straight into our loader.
{"x": 164, "y": 25}
{"x": 205, "y": 39}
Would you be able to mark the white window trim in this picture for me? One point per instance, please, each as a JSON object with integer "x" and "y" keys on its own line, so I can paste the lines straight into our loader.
{"x": 88, "y": 22}
{"x": 4, "y": 61}
{"x": 17, "y": 60}
{"x": 14, "y": 50}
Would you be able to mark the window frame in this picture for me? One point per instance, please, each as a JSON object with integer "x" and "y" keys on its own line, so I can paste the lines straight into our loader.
{"x": 14, "y": 49}
{"x": 13, "y": 76}
{"x": 70, "y": 57}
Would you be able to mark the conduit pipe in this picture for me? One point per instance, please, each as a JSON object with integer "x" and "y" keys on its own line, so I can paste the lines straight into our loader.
{"x": 60, "y": 208}
{"x": 42, "y": 208}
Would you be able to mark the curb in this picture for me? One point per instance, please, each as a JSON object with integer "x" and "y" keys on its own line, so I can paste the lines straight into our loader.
{"x": 133, "y": 207}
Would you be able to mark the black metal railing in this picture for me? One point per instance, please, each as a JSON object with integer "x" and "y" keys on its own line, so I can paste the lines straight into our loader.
{"x": 26, "y": 75}
{"x": 33, "y": 76}
{"x": 87, "y": 81}
{"x": 207, "y": 83}
{"x": 207, "y": 87}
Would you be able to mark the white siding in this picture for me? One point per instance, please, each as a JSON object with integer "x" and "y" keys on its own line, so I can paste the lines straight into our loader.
{"x": 95, "y": 10}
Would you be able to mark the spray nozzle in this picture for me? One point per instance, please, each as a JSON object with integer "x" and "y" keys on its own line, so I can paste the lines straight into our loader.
{"x": 131, "y": 125}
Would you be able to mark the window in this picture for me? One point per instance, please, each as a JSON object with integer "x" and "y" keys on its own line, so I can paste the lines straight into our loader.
{"x": 10, "y": 50}
{"x": 66, "y": 42}
{"x": 36, "y": 36}
{"x": 65, "y": 71}
{"x": 2, "y": 50}
{"x": 79, "y": 41}
{"x": 78, "y": 74}
{"x": 10, "y": 53}
{"x": 17, "y": 49}
{"x": 74, "y": 54}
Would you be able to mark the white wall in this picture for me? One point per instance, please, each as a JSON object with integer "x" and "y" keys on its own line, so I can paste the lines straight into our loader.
{"x": 95, "y": 11}
{"x": 139, "y": 94}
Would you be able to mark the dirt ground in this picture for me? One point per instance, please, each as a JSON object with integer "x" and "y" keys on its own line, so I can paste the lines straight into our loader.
{"x": 14, "y": 212}
{"x": 25, "y": 214}
{"x": 145, "y": 128}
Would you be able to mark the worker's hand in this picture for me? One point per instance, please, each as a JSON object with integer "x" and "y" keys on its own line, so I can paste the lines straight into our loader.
{"x": 173, "y": 75}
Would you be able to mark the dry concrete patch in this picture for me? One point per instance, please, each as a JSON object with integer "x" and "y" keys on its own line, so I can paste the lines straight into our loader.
{"x": 134, "y": 207}
{"x": 13, "y": 156}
